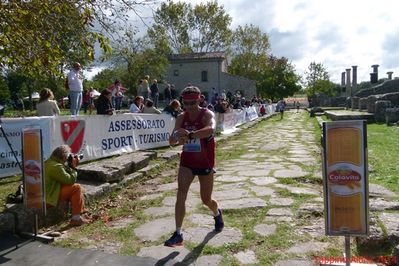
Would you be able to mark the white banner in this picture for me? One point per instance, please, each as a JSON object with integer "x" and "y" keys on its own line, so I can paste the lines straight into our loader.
{"x": 13, "y": 131}
{"x": 227, "y": 122}
{"x": 102, "y": 136}
{"x": 252, "y": 114}
{"x": 239, "y": 117}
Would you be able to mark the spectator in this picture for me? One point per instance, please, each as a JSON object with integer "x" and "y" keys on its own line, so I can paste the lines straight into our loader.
{"x": 173, "y": 92}
{"x": 137, "y": 105}
{"x": 46, "y": 105}
{"x": 154, "y": 93}
{"x": 60, "y": 182}
{"x": 86, "y": 100}
{"x": 167, "y": 94}
{"x": 221, "y": 106}
{"x": 117, "y": 91}
{"x": 149, "y": 108}
{"x": 91, "y": 100}
{"x": 104, "y": 104}
{"x": 75, "y": 86}
{"x": 203, "y": 102}
{"x": 174, "y": 108}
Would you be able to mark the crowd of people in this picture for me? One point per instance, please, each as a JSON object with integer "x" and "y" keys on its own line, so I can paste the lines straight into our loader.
{"x": 147, "y": 100}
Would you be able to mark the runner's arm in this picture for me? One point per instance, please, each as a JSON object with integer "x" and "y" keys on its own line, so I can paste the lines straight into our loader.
{"x": 179, "y": 134}
{"x": 209, "y": 129}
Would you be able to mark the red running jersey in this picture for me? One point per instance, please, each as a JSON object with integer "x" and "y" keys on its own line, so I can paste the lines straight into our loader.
{"x": 197, "y": 153}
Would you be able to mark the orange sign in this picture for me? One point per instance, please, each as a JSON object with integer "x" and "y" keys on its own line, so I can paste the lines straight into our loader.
{"x": 345, "y": 177}
{"x": 33, "y": 168}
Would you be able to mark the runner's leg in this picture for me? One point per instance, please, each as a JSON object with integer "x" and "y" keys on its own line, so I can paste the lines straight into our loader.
{"x": 206, "y": 188}
{"x": 184, "y": 179}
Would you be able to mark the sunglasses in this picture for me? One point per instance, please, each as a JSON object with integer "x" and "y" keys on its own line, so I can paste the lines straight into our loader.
{"x": 190, "y": 103}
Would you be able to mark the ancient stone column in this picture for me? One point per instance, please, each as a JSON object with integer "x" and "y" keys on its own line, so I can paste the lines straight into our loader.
{"x": 343, "y": 79}
{"x": 375, "y": 73}
{"x": 389, "y": 73}
{"x": 354, "y": 76}
{"x": 348, "y": 83}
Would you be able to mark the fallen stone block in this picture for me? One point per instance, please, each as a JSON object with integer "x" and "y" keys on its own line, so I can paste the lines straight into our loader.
{"x": 113, "y": 169}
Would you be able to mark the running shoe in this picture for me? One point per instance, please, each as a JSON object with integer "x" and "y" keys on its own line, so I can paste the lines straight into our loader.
{"x": 219, "y": 224}
{"x": 175, "y": 240}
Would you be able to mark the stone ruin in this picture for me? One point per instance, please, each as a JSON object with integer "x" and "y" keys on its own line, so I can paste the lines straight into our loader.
{"x": 379, "y": 100}
{"x": 382, "y": 100}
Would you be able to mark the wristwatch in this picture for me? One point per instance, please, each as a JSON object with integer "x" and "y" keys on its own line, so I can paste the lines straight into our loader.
{"x": 190, "y": 135}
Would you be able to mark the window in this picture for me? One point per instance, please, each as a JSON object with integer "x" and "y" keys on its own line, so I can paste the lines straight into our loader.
{"x": 204, "y": 76}
{"x": 176, "y": 72}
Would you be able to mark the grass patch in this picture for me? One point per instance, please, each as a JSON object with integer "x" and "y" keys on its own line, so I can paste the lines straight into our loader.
{"x": 8, "y": 185}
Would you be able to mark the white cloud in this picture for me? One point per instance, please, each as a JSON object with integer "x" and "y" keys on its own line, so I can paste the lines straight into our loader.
{"x": 336, "y": 33}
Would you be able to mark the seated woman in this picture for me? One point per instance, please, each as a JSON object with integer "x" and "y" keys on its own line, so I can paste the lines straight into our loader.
{"x": 149, "y": 108}
{"x": 46, "y": 105}
{"x": 60, "y": 182}
{"x": 137, "y": 105}
{"x": 173, "y": 108}
{"x": 104, "y": 104}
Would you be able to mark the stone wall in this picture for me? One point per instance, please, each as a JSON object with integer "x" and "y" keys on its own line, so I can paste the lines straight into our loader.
{"x": 380, "y": 110}
{"x": 392, "y": 115}
{"x": 362, "y": 104}
{"x": 387, "y": 86}
{"x": 324, "y": 100}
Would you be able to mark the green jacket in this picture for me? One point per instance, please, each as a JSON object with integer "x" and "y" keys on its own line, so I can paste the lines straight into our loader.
{"x": 55, "y": 175}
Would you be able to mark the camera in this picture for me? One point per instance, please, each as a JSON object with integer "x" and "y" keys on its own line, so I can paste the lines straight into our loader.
{"x": 71, "y": 156}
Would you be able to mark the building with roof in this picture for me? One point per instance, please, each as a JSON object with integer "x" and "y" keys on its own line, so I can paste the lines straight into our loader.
{"x": 207, "y": 71}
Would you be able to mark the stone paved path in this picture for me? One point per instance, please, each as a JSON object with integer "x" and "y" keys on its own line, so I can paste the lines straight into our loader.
{"x": 275, "y": 176}
{"x": 278, "y": 160}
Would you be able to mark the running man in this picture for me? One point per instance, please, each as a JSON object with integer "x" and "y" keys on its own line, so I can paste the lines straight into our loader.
{"x": 194, "y": 129}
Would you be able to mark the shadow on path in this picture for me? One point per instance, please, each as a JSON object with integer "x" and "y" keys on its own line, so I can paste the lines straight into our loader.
{"x": 196, "y": 252}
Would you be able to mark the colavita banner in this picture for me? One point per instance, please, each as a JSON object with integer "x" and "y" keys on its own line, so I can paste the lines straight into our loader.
{"x": 32, "y": 153}
{"x": 345, "y": 177}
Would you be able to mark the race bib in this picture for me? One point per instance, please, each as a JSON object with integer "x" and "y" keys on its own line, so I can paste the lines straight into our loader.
{"x": 192, "y": 145}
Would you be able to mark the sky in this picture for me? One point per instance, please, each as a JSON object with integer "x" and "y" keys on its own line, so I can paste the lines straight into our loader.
{"x": 336, "y": 33}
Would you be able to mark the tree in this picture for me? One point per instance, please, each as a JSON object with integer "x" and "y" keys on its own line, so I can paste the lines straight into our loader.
{"x": 39, "y": 37}
{"x": 140, "y": 58}
{"x": 4, "y": 91}
{"x": 278, "y": 79}
{"x": 250, "y": 51}
{"x": 202, "y": 28}
{"x": 318, "y": 80}
{"x": 209, "y": 27}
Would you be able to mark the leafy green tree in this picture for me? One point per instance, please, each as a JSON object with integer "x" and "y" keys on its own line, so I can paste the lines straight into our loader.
{"x": 278, "y": 79}
{"x": 4, "y": 91}
{"x": 140, "y": 58}
{"x": 39, "y": 37}
{"x": 202, "y": 28}
{"x": 249, "y": 51}
{"x": 171, "y": 25}
{"x": 209, "y": 27}
{"x": 317, "y": 80}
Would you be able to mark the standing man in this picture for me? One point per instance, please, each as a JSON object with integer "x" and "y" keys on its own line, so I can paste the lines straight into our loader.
{"x": 194, "y": 129}
{"x": 167, "y": 94}
{"x": 154, "y": 92}
{"x": 117, "y": 91}
{"x": 75, "y": 85}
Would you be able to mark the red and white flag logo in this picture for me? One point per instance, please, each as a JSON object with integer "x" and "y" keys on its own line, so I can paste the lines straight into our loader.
{"x": 73, "y": 134}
